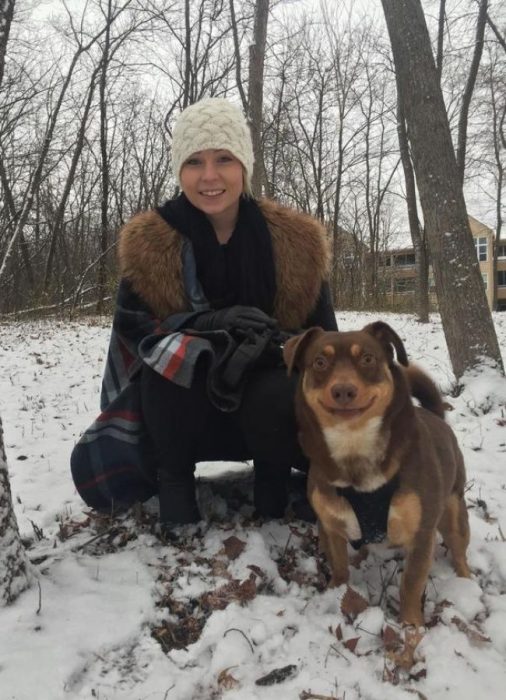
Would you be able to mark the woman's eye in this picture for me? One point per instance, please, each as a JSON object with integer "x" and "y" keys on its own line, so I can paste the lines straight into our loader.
{"x": 320, "y": 363}
{"x": 367, "y": 359}
{"x": 192, "y": 161}
{"x": 224, "y": 159}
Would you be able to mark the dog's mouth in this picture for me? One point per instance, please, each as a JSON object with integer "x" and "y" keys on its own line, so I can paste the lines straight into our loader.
{"x": 348, "y": 412}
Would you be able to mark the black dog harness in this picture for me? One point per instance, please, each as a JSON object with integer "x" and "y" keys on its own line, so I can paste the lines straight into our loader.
{"x": 371, "y": 509}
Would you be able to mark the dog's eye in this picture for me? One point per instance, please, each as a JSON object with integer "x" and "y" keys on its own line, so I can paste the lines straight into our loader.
{"x": 320, "y": 363}
{"x": 367, "y": 359}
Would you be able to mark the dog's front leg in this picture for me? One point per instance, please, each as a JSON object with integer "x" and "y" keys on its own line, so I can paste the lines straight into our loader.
{"x": 337, "y": 523}
{"x": 414, "y": 579}
{"x": 405, "y": 529}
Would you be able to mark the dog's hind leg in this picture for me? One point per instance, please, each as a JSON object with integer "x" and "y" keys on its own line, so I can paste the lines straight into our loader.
{"x": 454, "y": 528}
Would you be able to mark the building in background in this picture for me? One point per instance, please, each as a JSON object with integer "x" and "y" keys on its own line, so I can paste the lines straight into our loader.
{"x": 397, "y": 271}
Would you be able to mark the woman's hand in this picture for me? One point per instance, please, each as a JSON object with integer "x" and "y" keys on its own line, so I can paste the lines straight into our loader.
{"x": 234, "y": 318}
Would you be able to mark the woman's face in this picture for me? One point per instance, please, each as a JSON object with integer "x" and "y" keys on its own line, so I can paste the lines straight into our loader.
{"x": 213, "y": 182}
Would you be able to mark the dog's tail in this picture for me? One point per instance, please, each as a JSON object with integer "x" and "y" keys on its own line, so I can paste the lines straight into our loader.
{"x": 424, "y": 389}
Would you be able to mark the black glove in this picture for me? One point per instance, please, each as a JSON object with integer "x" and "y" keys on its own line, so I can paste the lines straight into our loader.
{"x": 241, "y": 318}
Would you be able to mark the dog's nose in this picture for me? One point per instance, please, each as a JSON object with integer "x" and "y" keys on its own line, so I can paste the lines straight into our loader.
{"x": 344, "y": 394}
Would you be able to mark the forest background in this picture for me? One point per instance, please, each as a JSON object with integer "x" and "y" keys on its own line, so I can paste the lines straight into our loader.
{"x": 91, "y": 90}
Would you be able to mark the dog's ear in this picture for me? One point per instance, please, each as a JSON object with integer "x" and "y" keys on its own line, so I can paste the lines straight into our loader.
{"x": 388, "y": 337}
{"x": 296, "y": 346}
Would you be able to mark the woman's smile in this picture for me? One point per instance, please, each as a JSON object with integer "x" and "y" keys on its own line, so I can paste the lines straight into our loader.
{"x": 213, "y": 181}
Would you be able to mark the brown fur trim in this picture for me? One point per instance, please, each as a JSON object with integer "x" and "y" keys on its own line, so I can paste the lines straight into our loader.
{"x": 150, "y": 257}
{"x": 301, "y": 258}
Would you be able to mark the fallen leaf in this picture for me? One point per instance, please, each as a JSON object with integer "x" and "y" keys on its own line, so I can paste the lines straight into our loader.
{"x": 257, "y": 570}
{"x": 351, "y": 644}
{"x": 471, "y": 633}
{"x": 235, "y": 590}
{"x": 233, "y": 547}
{"x": 247, "y": 589}
{"x": 226, "y": 680}
{"x": 391, "y": 638}
{"x": 219, "y": 567}
{"x": 353, "y": 604}
{"x": 278, "y": 675}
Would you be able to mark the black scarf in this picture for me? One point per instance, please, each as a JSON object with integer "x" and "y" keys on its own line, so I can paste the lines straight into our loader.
{"x": 240, "y": 272}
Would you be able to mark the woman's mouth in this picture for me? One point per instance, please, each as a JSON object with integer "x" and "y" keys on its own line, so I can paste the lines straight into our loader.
{"x": 211, "y": 193}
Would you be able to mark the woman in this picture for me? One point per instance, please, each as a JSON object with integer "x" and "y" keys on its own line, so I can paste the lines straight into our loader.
{"x": 211, "y": 283}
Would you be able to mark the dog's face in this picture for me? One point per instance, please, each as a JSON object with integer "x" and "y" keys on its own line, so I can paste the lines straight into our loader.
{"x": 346, "y": 377}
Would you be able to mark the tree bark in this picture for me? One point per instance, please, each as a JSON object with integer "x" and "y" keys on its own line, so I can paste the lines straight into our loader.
{"x": 6, "y": 16}
{"x": 256, "y": 91}
{"x": 14, "y": 565}
{"x": 104, "y": 160}
{"x": 466, "y": 318}
{"x": 416, "y": 231}
{"x": 468, "y": 92}
{"x": 440, "y": 38}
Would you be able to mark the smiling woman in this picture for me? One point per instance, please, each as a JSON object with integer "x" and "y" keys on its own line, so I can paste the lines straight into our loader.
{"x": 212, "y": 284}
{"x": 213, "y": 181}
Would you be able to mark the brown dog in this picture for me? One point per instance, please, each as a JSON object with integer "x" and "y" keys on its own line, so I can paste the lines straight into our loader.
{"x": 372, "y": 451}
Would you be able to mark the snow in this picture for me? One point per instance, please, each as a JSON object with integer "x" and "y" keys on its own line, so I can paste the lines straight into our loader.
{"x": 107, "y": 595}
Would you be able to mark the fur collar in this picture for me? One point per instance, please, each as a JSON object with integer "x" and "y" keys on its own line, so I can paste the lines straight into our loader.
{"x": 150, "y": 257}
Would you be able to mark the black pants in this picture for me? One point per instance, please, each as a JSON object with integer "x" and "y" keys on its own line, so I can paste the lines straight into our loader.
{"x": 186, "y": 427}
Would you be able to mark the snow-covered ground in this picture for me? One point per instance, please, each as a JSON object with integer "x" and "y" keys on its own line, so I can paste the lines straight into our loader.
{"x": 115, "y": 614}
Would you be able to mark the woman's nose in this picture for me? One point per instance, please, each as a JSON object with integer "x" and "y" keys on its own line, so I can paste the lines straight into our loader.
{"x": 209, "y": 171}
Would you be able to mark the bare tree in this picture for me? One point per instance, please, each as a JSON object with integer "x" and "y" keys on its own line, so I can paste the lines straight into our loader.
{"x": 36, "y": 176}
{"x": 256, "y": 92}
{"x": 497, "y": 91}
{"x": 469, "y": 89}
{"x": 416, "y": 230}
{"x": 440, "y": 38}
{"x": 6, "y": 17}
{"x": 467, "y": 322}
{"x": 14, "y": 565}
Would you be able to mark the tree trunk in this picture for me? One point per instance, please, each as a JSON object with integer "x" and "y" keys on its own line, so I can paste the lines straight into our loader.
{"x": 466, "y": 318}
{"x": 256, "y": 91}
{"x": 14, "y": 566}
{"x": 416, "y": 231}
{"x": 468, "y": 92}
{"x": 6, "y": 16}
{"x": 104, "y": 163}
{"x": 69, "y": 182}
{"x": 440, "y": 38}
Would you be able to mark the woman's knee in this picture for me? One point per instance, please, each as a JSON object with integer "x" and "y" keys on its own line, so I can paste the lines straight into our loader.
{"x": 267, "y": 415}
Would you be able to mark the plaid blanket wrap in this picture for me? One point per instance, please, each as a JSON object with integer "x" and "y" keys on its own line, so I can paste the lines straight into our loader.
{"x": 113, "y": 464}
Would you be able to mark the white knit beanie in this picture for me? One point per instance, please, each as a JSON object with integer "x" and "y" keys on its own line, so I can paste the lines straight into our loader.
{"x": 213, "y": 123}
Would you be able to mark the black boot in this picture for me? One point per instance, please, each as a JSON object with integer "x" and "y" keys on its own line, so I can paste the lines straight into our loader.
{"x": 178, "y": 502}
{"x": 270, "y": 490}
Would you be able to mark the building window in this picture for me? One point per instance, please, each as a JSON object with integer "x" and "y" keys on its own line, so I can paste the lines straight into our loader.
{"x": 404, "y": 260}
{"x": 481, "y": 248}
{"x": 404, "y": 285}
{"x": 501, "y": 251}
{"x": 501, "y": 278}
{"x": 484, "y": 277}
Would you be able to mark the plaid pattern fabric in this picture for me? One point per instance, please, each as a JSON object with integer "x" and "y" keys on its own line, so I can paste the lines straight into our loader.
{"x": 113, "y": 465}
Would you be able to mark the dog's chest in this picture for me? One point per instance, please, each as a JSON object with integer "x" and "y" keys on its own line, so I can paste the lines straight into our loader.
{"x": 357, "y": 455}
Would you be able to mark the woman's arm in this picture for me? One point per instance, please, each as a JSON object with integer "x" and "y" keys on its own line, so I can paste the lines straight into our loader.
{"x": 323, "y": 314}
